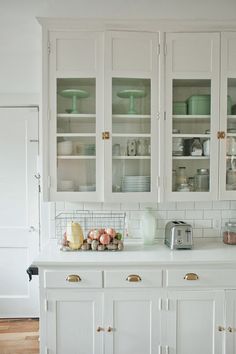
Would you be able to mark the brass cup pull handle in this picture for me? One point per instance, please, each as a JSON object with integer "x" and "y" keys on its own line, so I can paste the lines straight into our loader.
{"x": 73, "y": 278}
{"x": 134, "y": 278}
{"x": 99, "y": 329}
{"x": 221, "y": 328}
{"x": 191, "y": 276}
{"x": 109, "y": 329}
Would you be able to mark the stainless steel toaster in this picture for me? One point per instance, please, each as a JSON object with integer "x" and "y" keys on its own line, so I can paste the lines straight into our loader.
{"x": 178, "y": 235}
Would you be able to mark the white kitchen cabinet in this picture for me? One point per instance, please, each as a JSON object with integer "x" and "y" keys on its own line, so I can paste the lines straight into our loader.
{"x": 100, "y": 115}
{"x": 74, "y": 320}
{"x": 96, "y": 322}
{"x": 192, "y": 115}
{"x": 193, "y": 322}
{"x": 132, "y": 321}
{"x": 230, "y": 322}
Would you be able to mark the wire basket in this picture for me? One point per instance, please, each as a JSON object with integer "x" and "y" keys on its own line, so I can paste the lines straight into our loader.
{"x": 90, "y": 220}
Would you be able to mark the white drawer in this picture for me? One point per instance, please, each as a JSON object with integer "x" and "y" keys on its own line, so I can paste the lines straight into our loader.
{"x": 135, "y": 278}
{"x": 201, "y": 278}
{"x": 73, "y": 279}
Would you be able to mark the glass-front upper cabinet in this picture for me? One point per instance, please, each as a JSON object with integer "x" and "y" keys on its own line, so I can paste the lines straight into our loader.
{"x": 228, "y": 116}
{"x": 131, "y": 116}
{"x": 75, "y": 105}
{"x": 192, "y": 116}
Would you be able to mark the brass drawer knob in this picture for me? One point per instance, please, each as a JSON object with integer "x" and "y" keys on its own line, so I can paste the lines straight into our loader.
{"x": 134, "y": 278}
{"x": 221, "y": 328}
{"x": 191, "y": 276}
{"x": 73, "y": 278}
{"x": 109, "y": 329}
{"x": 100, "y": 329}
{"x": 230, "y": 329}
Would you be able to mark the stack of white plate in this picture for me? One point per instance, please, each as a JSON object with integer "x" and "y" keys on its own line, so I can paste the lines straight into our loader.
{"x": 136, "y": 184}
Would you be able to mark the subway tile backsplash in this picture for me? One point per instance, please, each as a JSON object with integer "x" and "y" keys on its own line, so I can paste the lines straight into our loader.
{"x": 207, "y": 218}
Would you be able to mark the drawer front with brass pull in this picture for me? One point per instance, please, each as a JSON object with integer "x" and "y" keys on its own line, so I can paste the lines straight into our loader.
{"x": 200, "y": 278}
{"x": 73, "y": 279}
{"x": 137, "y": 278}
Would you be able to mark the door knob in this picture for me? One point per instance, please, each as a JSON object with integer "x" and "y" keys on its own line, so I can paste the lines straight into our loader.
{"x": 221, "y": 328}
{"x": 100, "y": 329}
{"x": 109, "y": 329}
{"x": 230, "y": 329}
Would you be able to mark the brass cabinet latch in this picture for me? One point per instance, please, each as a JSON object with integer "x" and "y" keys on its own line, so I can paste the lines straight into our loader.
{"x": 220, "y": 135}
{"x": 105, "y": 135}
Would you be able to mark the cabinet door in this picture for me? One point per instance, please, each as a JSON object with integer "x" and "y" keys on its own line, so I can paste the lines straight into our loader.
{"x": 131, "y": 116}
{"x": 193, "y": 319}
{"x": 76, "y": 119}
{"x": 192, "y": 116}
{"x": 228, "y": 117}
{"x": 230, "y": 324}
{"x": 73, "y": 321}
{"x": 132, "y": 322}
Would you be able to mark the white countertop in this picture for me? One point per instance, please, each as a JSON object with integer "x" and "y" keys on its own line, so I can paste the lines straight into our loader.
{"x": 203, "y": 252}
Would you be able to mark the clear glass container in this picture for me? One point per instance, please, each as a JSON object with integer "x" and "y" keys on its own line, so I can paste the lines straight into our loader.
{"x": 181, "y": 177}
{"x": 201, "y": 180}
{"x": 229, "y": 233}
{"x": 196, "y": 148}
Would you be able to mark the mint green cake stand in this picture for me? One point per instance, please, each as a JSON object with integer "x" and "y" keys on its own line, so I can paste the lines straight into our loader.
{"x": 131, "y": 94}
{"x": 74, "y": 94}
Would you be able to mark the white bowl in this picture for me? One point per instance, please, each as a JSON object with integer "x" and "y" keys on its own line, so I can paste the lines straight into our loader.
{"x": 65, "y": 148}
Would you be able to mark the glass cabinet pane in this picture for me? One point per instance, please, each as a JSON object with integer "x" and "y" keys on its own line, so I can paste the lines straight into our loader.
{"x": 131, "y": 135}
{"x": 191, "y": 135}
{"x": 76, "y": 135}
{"x": 231, "y": 136}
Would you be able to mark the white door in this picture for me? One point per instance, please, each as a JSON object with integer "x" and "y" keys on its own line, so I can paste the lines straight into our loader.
{"x": 19, "y": 211}
{"x": 193, "y": 320}
{"x": 74, "y": 322}
{"x": 132, "y": 322}
{"x": 230, "y": 322}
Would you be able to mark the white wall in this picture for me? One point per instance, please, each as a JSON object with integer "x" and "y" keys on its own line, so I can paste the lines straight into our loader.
{"x": 20, "y": 34}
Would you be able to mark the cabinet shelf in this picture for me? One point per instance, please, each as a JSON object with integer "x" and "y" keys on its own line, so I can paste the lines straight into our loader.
{"x": 208, "y": 136}
{"x": 76, "y": 115}
{"x": 191, "y": 157}
{"x": 74, "y": 135}
{"x": 232, "y": 116}
{"x": 131, "y": 135}
{"x": 191, "y": 116}
{"x": 131, "y": 157}
{"x": 76, "y": 157}
{"x": 131, "y": 116}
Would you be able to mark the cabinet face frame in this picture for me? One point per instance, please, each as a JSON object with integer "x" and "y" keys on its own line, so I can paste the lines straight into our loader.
{"x": 213, "y": 75}
{"x": 226, "y": 73}
{"x": 151, "y": 74}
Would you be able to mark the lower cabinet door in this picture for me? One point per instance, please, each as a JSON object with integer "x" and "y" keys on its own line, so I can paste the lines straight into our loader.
{"x": 195, "y": 322}
{"x": 74, "y": 322}
{"x": 230, "y": 322}
{"x": 132, "y": 322}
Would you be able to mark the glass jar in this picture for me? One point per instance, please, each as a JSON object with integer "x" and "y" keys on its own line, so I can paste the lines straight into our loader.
{"x": 229, "y": 233}
{"x": 178, "y": 144}
{"x": 201, "y": 180}
{"x": 196, "y": 148}
{"x": 181, "y": 177}
{"x": 191, "y": 183}
{"x": 183, "y": 187}
{"x": 231, "y": 177}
